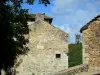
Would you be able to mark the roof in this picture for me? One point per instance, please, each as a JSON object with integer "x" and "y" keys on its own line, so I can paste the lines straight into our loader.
{"x": 45, "y": 16}
{"x": 86, "y": 26}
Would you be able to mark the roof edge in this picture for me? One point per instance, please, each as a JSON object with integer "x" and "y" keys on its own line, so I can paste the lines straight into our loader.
{"x": 86, "y": 26}
{"x": 34, "y": 14}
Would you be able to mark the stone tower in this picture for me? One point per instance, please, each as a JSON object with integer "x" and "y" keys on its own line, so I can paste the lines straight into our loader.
{"x": 78, "y": 38}
{"x": 48, "y": 50}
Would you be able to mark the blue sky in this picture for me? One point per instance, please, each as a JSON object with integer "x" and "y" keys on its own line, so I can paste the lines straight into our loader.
{"x": 68, "y": 15}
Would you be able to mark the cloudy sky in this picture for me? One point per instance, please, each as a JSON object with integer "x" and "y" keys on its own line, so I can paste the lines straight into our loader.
{"x": 68, "y": 15}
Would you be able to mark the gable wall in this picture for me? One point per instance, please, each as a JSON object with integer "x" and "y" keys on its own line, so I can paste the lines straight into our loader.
{"x": 91, "y": 45}
{"x": 44, "y": 43}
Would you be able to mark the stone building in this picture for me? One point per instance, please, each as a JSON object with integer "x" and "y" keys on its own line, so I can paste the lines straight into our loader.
{"x": 48, "y": 48}
{"x": 91, "y": 43}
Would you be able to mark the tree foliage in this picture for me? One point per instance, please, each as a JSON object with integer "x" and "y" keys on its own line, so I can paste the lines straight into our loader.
{"x": 75, "y": 54}
{"x": 13, "y": 21}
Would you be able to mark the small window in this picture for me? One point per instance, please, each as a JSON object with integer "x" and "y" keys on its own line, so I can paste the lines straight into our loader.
{"x": 58, "y": 55}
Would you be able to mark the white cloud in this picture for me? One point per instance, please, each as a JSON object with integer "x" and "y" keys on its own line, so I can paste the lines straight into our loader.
{"x": 73, "y": 14}
{"x": 65, "y": 27}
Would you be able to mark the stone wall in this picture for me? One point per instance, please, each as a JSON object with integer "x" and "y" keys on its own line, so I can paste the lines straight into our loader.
{"x": 45, "y": 41}
{"x": 91, "y": 45}
{"x": 73, "y": 70}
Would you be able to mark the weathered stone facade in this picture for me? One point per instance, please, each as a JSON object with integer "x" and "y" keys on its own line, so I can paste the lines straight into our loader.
{"x": 48, "y": 47}
{"x": 91, "y": 44}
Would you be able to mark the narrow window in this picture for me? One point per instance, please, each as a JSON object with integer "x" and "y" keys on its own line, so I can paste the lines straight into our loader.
{"x": 58, "y": 55}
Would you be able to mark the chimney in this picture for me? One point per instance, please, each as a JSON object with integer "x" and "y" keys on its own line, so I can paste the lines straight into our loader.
{"x": 39, "y": 17}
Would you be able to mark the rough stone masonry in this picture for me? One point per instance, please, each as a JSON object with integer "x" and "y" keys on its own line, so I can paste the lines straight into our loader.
{"x": 48, "y": 47}
{"x": 91, "y": 44}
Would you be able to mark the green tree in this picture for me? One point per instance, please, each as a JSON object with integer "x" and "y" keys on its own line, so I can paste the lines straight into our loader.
{"x": 75, "y": 54}
{"x": 13, "y": 21}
